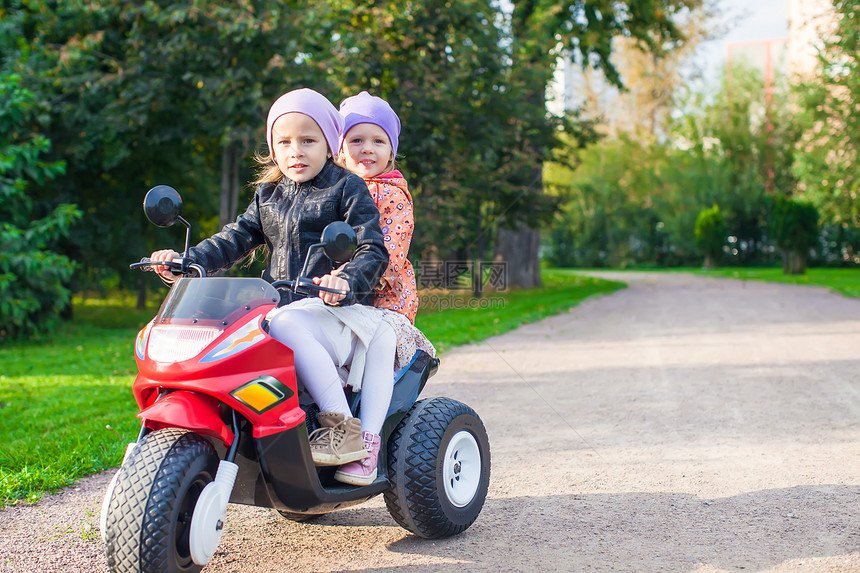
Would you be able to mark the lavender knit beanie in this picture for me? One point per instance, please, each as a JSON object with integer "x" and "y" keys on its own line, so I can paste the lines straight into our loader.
{"x": 365, "y": 108}
{"x": 312, "y": 104}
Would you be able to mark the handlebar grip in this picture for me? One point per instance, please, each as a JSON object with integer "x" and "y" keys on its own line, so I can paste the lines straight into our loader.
{"x": 145, "y": 265}
{"x": 303, "y": 285}
{"x": 327, "y": 289}
{"x": 349, "y": 299}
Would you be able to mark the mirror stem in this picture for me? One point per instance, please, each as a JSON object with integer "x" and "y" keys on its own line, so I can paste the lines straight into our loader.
{"x": 187, "y": 233}
{"x": 307, "y": 260}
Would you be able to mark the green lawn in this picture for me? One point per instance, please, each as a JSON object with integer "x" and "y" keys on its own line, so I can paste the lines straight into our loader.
{"x": 844, "y": 281}
{"x": 59, "y": 395}
{"x": 841, "y": 280}
{"x": 496, "y": 313}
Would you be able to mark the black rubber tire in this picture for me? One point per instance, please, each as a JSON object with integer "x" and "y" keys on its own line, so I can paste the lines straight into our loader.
{"x": 417, "y": 500}
{"x": 150, "y": 512}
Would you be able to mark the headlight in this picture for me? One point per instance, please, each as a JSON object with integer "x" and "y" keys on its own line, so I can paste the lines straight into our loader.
{"x": 177, "y": 343}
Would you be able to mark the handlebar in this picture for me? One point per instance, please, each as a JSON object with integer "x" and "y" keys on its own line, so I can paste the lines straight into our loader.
{"x": 178, "y": 266}
{"x": 303, "y": 285}
{"x": 306, "y": 286}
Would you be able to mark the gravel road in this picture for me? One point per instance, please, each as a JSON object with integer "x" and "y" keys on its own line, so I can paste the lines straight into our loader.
{"x": 682, "y": 424}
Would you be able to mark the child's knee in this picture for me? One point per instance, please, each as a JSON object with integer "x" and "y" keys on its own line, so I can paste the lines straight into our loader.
{"x": 289, "y": 325}
{"x": 383, "y": 346}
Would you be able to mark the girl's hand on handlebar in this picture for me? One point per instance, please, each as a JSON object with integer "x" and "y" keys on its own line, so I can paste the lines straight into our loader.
{"x": 331, "y": 281}
{"x": 163, "y": 271}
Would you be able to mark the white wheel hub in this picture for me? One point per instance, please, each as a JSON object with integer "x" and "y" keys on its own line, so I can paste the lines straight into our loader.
{"x": 461, "y": 469}
{"x": 207, "y": 522}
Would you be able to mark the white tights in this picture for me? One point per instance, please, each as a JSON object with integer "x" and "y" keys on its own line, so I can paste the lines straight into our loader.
{"x": 315, "y": 365}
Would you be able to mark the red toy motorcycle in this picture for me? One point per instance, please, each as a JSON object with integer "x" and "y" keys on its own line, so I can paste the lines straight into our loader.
{"x": 224, "y": 420}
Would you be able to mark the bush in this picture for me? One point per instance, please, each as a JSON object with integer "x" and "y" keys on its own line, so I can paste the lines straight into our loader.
{"x": 794, "y": 228}
{"x": 32, "y": 276}
{"x": 710, "y": 235}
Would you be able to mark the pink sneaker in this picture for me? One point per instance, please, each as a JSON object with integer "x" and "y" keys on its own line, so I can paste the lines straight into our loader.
{"x": 362, "y": 472}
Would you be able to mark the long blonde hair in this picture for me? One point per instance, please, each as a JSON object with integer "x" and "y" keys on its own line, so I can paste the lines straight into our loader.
{"x": 268, "y": 171}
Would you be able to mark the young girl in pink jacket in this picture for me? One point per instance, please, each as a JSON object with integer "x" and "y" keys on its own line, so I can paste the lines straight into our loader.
{"x": 367, "y": 344}
{"x": 368, "y": 148}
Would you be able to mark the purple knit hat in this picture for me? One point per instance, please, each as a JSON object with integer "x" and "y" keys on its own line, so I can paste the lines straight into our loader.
{"x": 312, "y": 104}
{"x": 365, "y": 108}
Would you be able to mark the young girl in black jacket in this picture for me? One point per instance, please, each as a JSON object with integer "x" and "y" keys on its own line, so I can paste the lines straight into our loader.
{"x": 299, "y": 192}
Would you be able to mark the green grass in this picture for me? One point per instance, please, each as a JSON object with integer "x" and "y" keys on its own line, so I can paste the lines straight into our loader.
{"x": 466, "y": 320}
{"x": 59, "y": 394}
{"x": 844, "y": 281}
{"x": 839, "y": 280}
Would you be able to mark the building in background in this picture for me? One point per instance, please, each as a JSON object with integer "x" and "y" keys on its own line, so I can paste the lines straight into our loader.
{"x": 768, "y": 56}
{"x": 796, "y": 54}
{"x": 808, "y": 22}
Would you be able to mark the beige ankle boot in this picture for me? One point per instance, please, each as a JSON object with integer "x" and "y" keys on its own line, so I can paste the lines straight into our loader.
{"x": 338, "y": 441}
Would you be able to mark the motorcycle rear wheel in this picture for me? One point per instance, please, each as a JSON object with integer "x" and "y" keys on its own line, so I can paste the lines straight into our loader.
{"x": 439, "y": 467}
{"x": 149, "y": 516}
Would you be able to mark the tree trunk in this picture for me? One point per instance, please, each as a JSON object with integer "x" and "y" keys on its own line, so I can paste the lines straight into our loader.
{"x": 141, "y": 292}
{"x": 531, "y": 68}
{"x": 798, "y": 263}
{"x": 518, "y": 249}
{"x": 786, "y": 261}
{"x": 229, "y": 183}
{"x": 794, "y": 262}
{"x": 67, "y": 313}
{"x": 476, "y": 255}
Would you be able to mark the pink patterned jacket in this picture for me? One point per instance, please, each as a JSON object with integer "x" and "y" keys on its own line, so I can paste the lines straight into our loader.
{"x": 397, "y": 289}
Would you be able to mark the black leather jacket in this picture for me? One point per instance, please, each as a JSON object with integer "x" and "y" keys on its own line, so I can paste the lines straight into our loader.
{"x": 288, "y": 217}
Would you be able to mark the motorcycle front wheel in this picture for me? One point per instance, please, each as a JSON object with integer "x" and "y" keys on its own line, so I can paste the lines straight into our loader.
{"x": 149, "y": 515}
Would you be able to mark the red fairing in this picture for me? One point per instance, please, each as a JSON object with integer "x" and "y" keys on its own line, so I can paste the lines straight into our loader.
{"x": 223, "y": 366}
{"x": 191, "y": 410}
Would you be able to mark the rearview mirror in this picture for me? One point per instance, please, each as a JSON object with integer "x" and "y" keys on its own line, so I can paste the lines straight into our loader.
{"x": 339, "y": 241}
{"x": 162, "y": 206}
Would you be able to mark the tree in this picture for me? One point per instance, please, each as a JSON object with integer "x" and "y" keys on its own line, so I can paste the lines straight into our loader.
{"x": 641, "y": 214}
{"x": 653, "y": 81}
{"x": 587, "y": 29}
{"x": 633, "y": 199}
{"x": 161, "y": 92}
{"x": 747, "y": 141}
{"x": 828, "y": 152}
{"x": 225, "y": 64}
{"x": 605, "y": 216}
{"x": 630, "y": 202}
{"x": 444, "y": 68}
{"x": 33, "y": 275}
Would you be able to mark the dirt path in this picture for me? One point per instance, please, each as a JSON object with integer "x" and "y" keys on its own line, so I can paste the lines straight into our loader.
{"x": 683, "y": 424}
